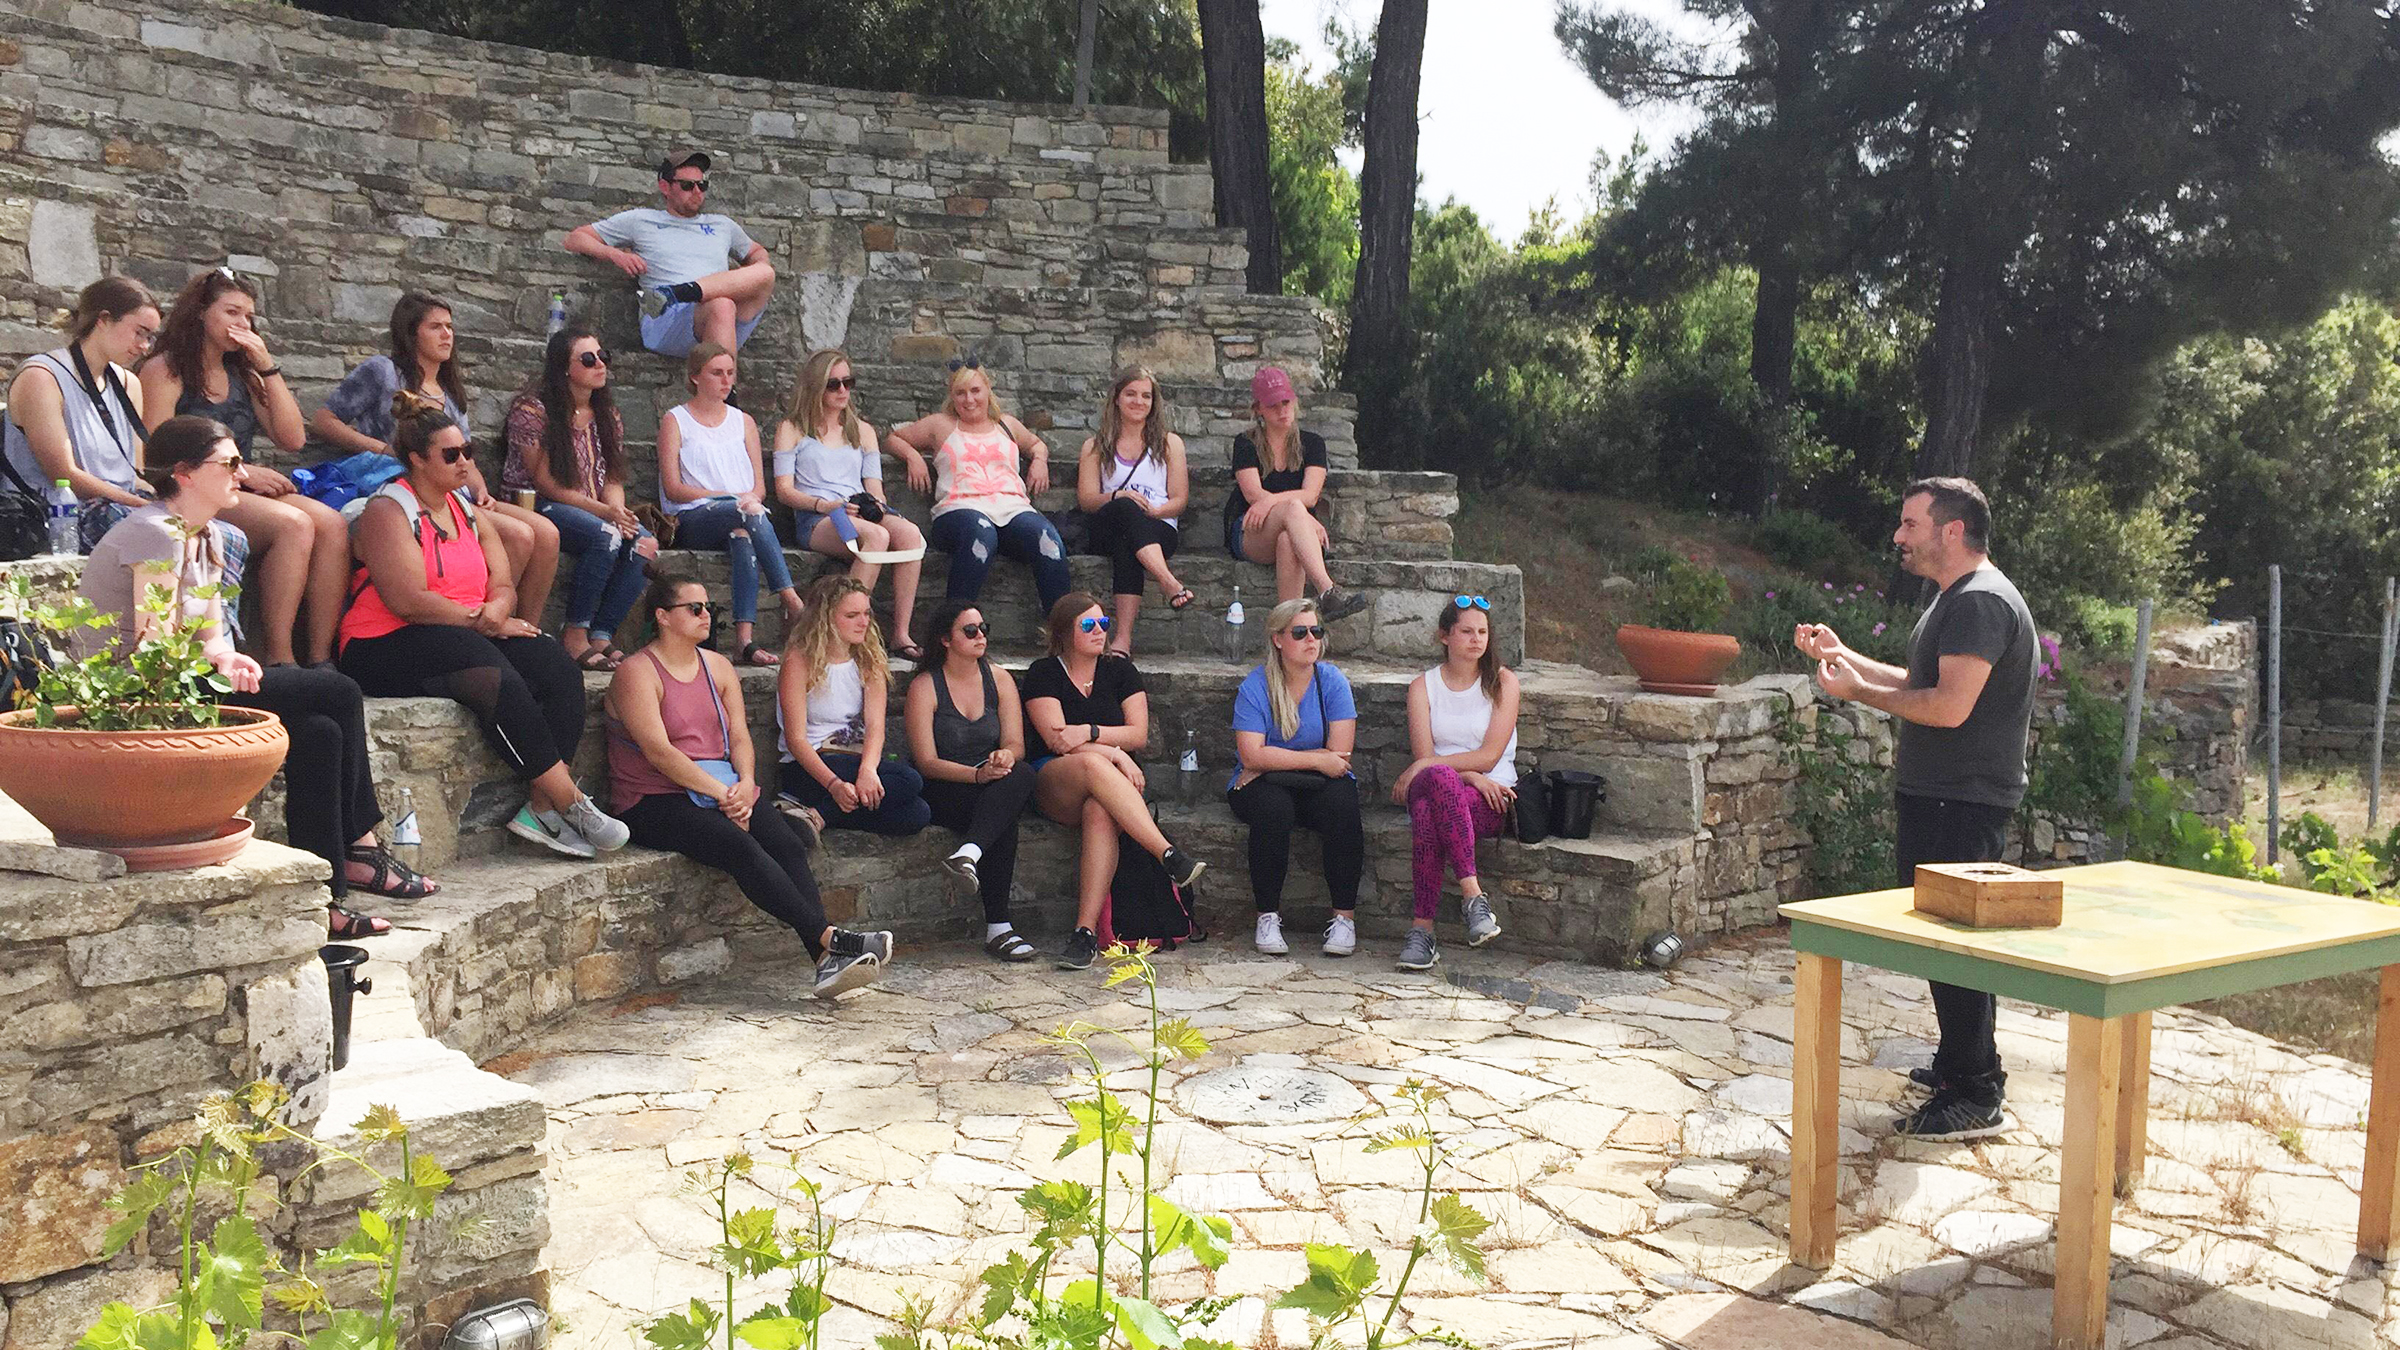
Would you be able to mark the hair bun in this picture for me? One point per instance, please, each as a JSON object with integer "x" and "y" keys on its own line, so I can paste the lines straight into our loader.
{"x": 408, "y": 404}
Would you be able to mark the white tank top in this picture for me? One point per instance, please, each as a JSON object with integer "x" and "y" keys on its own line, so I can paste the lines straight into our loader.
{"x": 714, "y": 459}
{"x": 1146, "y": 476}
{"x": 1459, "y": 719}
{"x": 837, "y": 713}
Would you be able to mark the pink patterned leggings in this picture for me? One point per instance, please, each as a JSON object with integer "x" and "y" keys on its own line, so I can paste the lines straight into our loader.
{"x": 1445, "y": 818}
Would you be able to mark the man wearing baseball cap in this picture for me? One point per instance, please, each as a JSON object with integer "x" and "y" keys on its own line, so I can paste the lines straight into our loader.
{"x": 678, "y": 256}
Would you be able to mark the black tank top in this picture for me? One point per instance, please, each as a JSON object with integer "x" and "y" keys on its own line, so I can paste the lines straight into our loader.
{"x": 954, "y": 737}
{"x": 236, "y": 411}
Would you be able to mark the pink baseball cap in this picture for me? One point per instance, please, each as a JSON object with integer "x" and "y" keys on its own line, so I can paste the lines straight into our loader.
{"x": 1271, "y": 386}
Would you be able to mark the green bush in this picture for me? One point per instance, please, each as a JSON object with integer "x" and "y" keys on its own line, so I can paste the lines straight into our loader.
{"x": 1809, "y": 543}
{"x": 1870, "y": 625}
{"x": 2097, "y": 628}
{"x": 1687, "y": 598}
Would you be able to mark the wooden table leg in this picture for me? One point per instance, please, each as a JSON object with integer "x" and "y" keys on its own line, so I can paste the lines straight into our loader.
{"x": 2086, "y": 1189}
{"x": 2378, "y": 1204}
{"x": 2133, "y": 1104}
{"x": 1816, "y": 1101}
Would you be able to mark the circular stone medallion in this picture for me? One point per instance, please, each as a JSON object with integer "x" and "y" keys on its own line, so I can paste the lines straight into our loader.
{"x": 1270, "y": 1096}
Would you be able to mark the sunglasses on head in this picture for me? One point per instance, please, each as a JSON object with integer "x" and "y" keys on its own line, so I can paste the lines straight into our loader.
{"x": 1092, "y": 624}
{"x": 966, "y": 363}
{"x": 1307, "y": 630}
{"x": 697, "y": 608}
{"x": 845, "y": 382}
{"x": 973, "y": 630}
{"x": 1472, "y": 602}
{"x": 689, "y": 184}
{"x": 592, "y": 360}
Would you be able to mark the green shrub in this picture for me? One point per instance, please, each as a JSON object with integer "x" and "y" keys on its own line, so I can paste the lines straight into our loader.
{"x": 1809, "y": 543}
{"x": 1867, "y": 623}
{"x": 1844, "y": 805}
{"x": 1687, "y": 598}
{"x": 2100, "y": 629}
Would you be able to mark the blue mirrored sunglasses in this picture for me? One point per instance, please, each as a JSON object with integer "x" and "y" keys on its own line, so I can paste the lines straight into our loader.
{"x": 1472, "y": 602}
{"x": 1092, "y": 624}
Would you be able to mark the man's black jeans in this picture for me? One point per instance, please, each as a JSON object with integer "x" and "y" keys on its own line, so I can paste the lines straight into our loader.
{"x": 1937, "y": 830}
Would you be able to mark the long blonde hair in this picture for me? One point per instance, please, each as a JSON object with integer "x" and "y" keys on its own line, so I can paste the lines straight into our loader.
{"x": 1112, "y": 420}
{"x": 814, "y": 641}
{"x": 958, "y": 376}
{"x": 1280, "y": 699}
{"x": 1271, "y": 457}
{"x": 806, "y": 410}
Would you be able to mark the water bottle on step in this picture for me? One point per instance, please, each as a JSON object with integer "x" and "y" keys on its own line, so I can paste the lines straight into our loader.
{"x": 408, "y": 841}
{"x": 61, "y": 524}
{"x": 1187, "y": 770}
{"x": 1237, "y": 645}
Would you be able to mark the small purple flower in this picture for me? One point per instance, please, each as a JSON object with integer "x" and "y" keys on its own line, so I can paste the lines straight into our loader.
{"x": 1770, "y": 595}
{"x": 1859, "y": 587}
{"x": 1829, "y": 585}
{"x": 1878, "y": 631}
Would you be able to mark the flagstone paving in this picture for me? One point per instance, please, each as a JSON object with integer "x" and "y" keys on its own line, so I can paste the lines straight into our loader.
{"x": 1627, "y": 1132}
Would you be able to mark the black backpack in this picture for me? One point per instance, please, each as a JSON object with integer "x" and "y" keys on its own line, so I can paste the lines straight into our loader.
{"x": 1143, "y": 903}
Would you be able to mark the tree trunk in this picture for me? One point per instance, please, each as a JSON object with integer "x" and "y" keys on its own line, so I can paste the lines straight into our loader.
{"x": 1085, "y": 31}
{"x": 1382, "y": 341}
{"x": 1960, "y": 370}
{"x": 1774, "y": 338}
{"x": 1234, "y": 50}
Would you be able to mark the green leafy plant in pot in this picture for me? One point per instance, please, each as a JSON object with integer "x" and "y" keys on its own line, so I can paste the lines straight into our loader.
{"x": 128, "y": 751}
{"x": 1675, "y": 649}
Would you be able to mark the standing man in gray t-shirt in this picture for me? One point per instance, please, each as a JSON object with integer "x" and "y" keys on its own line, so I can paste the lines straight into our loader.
{"x": 1964, "y": 705}
{"x": 678, "y": 258}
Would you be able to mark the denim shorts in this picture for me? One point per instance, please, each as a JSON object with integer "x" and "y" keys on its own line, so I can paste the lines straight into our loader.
{"x": 670, "y": 334}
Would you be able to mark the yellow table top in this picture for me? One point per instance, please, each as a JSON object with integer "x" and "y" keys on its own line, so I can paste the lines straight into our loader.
{"x": 2126, "y": 921}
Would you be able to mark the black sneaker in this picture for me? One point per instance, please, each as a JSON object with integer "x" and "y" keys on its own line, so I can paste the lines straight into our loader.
{"x": 1924, "y": 1077}
{"x": 850, "y": 961}
{"x": 1953, "y": 1113}
{"x": 1182, "y": 868}
{"x": 1082, "y": 946}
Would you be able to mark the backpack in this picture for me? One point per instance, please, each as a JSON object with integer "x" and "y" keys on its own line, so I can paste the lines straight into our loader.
{"x": 1143, "y": 903}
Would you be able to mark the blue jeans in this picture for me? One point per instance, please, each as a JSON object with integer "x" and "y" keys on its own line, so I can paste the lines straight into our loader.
{"x": 608, "y": 580}
{"x": 757, "y": 555}
{"x": 904, "y": 810}
{"x": 970, "y": 538}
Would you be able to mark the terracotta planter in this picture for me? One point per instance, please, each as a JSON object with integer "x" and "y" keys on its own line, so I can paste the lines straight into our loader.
{"x": 1671, "y": 662}
{"x": 117, "y": 790}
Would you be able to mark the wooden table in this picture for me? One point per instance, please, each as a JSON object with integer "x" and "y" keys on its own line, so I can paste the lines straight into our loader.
{"x": 2136, "y": 937}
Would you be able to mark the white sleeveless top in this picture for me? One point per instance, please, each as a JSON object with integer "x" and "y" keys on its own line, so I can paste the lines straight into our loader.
{"x": 714, "y": 459}
{"x": 1459, "y": 720}
{"x": 1146, "y": 476}
{"x": 103, "y": 440}
{"x": 837, "y": 713}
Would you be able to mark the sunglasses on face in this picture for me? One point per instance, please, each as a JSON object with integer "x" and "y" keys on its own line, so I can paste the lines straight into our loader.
{"x": 230, "y": 462}
{"x": 1473, "y": 602}
{"x": 971, "y": 631}
{"x": 1302, "y": 631}
{"x": 592, "y": 360}
{"x": 845, "y": 382}
{"x": 689, "y": 184}
{"x": 1092, "y": 624}
{"x": 455, "y": 453}
{"x": 696, "y": 608}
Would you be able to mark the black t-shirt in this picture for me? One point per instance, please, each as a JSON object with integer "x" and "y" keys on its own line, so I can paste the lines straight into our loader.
{"x": 1245, "y": 456}
{"x": 1114, "y": 680}
{"x": 1982, "y": 759}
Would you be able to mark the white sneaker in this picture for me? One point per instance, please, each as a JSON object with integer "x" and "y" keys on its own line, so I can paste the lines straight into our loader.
{"x": 553, "y": 833}
{"x": 1270, "y": 935}
{"x": 1341, "y": 936}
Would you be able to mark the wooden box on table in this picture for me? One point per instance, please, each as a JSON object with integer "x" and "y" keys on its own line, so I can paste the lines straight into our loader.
{"x": 1990, "y": 895}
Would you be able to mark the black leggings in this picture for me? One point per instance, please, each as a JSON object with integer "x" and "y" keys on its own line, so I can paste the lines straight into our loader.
{"x": 1931, "y": 830}
{"x": 328, "y": 791}
{"x": 1273, "y": 804}
{"x": 1122, "y": 529}
{"x": 525, "y": 691}
{"x": 766, "y": 860}
{"x": 986, "y": 815}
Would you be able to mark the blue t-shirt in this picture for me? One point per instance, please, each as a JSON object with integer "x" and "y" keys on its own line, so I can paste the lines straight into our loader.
{"x": 1327, "y": 699}
{"x": 363, "y": 400}
{"x": 677, "y": 248}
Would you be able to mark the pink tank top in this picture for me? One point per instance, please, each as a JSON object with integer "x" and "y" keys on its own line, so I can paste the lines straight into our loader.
{"x": 695, "y": 726}
{"x": 454, "y": 569}
{"x": 979, "y": 472}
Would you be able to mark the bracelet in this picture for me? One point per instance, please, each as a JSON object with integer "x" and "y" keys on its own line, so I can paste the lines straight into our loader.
{"x": 269, "y": 373}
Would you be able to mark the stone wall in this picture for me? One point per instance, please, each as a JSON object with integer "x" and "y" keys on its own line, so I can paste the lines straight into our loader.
{"x": 128, "y": 999}
{"x": 336, "y": 163}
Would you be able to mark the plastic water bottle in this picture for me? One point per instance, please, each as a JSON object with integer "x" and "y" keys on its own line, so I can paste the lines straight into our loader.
{"x": 61, "y": 525}
{"x": 1187, "y": 770}
{"x": 408, "y": 842}
{"x": 558, "y": 310}
{"x": 1237, "y": 646}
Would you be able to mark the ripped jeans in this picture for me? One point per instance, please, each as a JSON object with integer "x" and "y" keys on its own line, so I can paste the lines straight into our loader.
{"x": 971, "y": 539}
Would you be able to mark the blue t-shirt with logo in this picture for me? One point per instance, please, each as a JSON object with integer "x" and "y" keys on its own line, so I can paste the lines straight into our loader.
{"x": 677, "y": 248}
{"x": 1327, "y": 699}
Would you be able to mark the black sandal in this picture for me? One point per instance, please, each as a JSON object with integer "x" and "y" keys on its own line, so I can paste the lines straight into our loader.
{"x": 1010, "y": 946}
{"x": 393, "y": 879}
{"x": 752, "y": 655}
{"x": 911, "y": 653}
{"x": 348, "y": 925}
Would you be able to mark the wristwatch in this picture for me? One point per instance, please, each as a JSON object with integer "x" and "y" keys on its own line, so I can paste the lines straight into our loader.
{"x": 1095, "y": 729}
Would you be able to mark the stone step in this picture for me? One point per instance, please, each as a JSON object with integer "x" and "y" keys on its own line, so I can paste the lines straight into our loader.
{"x": 519, "y": 938}
{"x": 1403, "y": 599}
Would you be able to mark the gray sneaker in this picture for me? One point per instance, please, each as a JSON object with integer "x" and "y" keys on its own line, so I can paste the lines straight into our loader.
{"x": 606, "y": 832}
{"x": 852, "y": 961}
{"x": 546, "y": 829}
{"x": 1418, "y": 952}
{"x": 1481, "y": 926}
